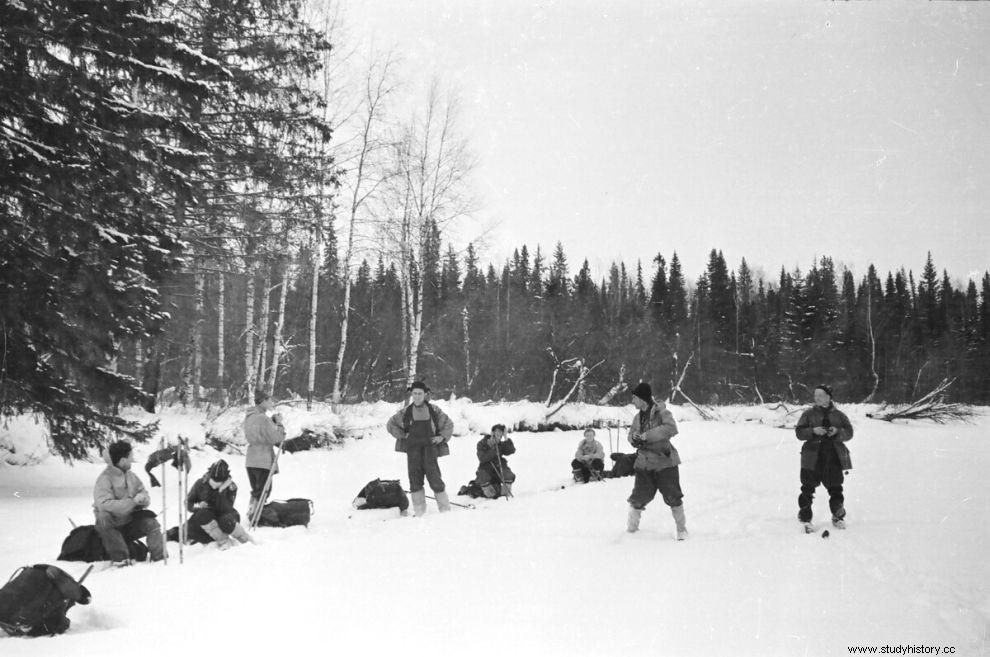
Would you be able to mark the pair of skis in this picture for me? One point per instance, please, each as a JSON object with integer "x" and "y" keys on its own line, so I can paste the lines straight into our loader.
{"x": 180, "y": 460}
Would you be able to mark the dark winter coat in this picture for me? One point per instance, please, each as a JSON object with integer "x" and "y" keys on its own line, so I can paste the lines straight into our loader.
{"x": 489, "y": 455}
{"x": 219, "y": 501}
{"x": 816, "y": 416}
{"x": 440, "y": 425}
{"x": 650, "y": 433}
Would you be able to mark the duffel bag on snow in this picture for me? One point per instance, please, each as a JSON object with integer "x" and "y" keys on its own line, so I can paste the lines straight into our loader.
{"x": 286, "y": 513}
{"x": 34, "y": 600}
{"x": 84, "y": 544}
{"x": 382, "y": 494}
{"x": 622, "y": 464}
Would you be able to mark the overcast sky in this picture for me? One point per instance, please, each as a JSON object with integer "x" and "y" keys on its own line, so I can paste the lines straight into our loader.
{"x": 775, "y": 131}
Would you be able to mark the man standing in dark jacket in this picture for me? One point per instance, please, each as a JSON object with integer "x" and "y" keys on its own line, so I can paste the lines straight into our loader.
{"x": 421, "y": 431}
{"x": 824, "y": 429}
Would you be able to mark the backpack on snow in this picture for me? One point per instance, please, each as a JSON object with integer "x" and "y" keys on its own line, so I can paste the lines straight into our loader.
{"x": 84, "y": 544}
{"x": 622, "y": 464}
{"x": 35, "y": 599}
{"x": 382, "y": 494}
{"x": 286, "y": 513}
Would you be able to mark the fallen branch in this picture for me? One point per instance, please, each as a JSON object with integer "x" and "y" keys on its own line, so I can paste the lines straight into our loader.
{"x": 931, "y": 406}
{"x": 585, "y": 371}
{"x": 617, "y": 388}
{"x": 677, "y": 390}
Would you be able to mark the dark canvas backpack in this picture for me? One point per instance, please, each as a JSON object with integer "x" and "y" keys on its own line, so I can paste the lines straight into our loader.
{"x": 84, "y": 544}
{"x": 286, "y": 513}
{"x": 383, "y": 494}
{"x": 35, "y": 599}
{"x": 622, "y": 464}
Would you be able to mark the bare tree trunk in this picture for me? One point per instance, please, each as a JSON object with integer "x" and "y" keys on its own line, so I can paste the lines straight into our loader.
{"x": 263, "y": 318}
{"x": 139, "y": 361}
{"x": 197, "y": 336}
{"x": 278, "y": 348}
{"x": 873, "y": 342}
{"x": 249, "y": 368}
{"x": 314, "y": 298}
{"x": 465, "y": 325}
{"x": 221, "y": 329}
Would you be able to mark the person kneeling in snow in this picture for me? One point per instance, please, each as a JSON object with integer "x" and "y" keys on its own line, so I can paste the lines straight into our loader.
{"x": 211, "y": 503}
{"x": 493, "y": 476}
{"x": 589, "y": 460}
{"x": 656, "y": 460}
{"x": 120, "y": 504}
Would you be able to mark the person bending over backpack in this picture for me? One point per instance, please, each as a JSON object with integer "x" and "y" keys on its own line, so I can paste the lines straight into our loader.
{"x": 120, "y": 504}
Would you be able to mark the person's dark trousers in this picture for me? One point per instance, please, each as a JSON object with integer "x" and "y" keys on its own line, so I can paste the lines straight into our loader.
{"x": 649, "y": 482}
{"x": 200, "y": 517}
{"x": 827, "y": 472}
{"x": 421, "y": 459}
{"x": 257, "y": 478}
{"x": 141, "y": 524}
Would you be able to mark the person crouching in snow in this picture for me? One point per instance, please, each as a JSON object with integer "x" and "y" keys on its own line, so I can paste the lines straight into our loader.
{"x": 493, "y": 476}
{"x": 120, "y": 503}
{"x": 824, "y": 429}
{"x": 589, "y": 459}
{"x": 656, "y": 460}
{"x": 421, "y": 431}
{"x": 211, "y": 503}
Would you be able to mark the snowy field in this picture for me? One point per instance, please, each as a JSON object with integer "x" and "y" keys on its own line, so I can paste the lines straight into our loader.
{"x": 551, "y": 571}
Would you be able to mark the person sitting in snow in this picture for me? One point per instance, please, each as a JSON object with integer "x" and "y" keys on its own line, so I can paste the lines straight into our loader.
{"x": 421, "y": 431}
{"x": 211, "y": 503}
{"x": 824, "y": 429}
{"x": 262, "y": 434}
{"x": 493, "y": 476}
{"x": 656, "y": 460}
{"x": 120, "y": 504}
{"x": 589, "y": 459}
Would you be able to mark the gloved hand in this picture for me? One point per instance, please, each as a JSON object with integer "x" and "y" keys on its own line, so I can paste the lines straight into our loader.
{"x": 142, "y": 499}
{"x": 437, "y": 440}
{"x": 637, "y": 442}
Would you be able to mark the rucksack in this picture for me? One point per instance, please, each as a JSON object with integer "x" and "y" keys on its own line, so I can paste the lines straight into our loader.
{"x": 622, "y": 464}
{"x": 84, "y": 544}
{"x": 382, "y": 494}
{"x": 35, "y": 599}
{"x": 286, "y": 513}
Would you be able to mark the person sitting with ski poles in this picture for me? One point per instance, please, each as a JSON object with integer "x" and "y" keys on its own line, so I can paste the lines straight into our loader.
{"x": 493, "y": 476}
{"x": 211, "y": 503}
{"x": 589, "y": 459}
{"x": 262, "y": 434}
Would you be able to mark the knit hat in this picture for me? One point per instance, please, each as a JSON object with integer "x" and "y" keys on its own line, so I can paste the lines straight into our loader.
{"x": 260, "y": 396}
{"x": 824, "y": 388}
{"x": 118, "y": 450}
{"x": 219, "y": 471}
{"x": 644, "y": 392}
{"x": 418, "y": 385}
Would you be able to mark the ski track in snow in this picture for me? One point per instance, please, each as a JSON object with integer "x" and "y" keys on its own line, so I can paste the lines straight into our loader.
{"x": 550, "y": 571}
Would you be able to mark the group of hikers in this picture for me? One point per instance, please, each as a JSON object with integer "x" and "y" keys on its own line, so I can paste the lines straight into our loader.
{"x": 422, "y": 431}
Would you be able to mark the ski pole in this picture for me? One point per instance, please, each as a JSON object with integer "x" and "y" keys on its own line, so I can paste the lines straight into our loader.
{"x": 430, "y": 497}
{"x": 182, "y": 502}
{"x": 164, "y": 505}
{"x": 85, "y": 574}
{"x": 498, "y": 471}
{"x": 268, "y": 486}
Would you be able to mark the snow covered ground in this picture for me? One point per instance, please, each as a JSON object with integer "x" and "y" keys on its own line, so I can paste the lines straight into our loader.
{"x": 551, "y": 571}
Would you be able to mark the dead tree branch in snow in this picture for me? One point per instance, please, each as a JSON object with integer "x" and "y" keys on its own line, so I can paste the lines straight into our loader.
{"x": 583, "y": 373}
{"x": 678, "y": 390}
{"x": 931, "y": 406}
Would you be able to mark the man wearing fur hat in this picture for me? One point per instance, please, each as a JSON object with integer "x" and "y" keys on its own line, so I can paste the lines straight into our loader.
{"x": 120, "y": 503}
{"x": 656, "y": 460}
{"x": 421, "y": 431}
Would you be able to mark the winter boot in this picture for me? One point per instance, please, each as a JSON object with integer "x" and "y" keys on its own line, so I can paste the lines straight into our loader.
{"x": 578, "y": 476}
{"x": 506, "y": 490}
{"x": 418, "y": 502}
{"x": 214, "y": 531}
{"x": 680, "y": 521}
{"x": 241, "y": 534}
{"x": 632, "y": 522}
{"x": 488, "y": 491}
{"x": 443, "y": 502}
